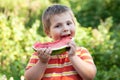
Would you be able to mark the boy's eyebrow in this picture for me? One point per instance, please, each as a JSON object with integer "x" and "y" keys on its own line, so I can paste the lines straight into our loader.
{"x": 58, "y": 24}
{"x": 69, "y": 21}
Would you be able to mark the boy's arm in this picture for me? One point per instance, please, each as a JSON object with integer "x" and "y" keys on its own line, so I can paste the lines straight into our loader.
{"x": 40, "y": 61}
{"x": 36, "y": 72}
{"x": 82, "y": 61}
{"x": 86, "y": 70}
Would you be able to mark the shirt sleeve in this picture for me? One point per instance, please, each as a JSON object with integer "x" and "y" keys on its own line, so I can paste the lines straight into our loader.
{"x": 33, "y": 60}
{"x": 85, "y": 55}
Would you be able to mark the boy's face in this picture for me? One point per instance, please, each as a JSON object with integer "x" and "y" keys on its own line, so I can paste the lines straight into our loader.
{"x": 62, "y": 25}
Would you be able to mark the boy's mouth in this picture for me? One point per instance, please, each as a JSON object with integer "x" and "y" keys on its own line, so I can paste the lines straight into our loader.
{"x": 64, "y": 36}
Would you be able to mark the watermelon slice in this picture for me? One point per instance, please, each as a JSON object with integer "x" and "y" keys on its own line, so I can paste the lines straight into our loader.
{"x": 58, "y": 47}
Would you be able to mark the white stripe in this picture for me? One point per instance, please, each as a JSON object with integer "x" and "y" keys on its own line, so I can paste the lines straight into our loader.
{"x": 59, "y": 65}
{"x": 61, "y": 74}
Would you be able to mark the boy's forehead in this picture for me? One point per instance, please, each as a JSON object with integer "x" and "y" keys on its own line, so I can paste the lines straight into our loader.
{"x": 60, "y": 17}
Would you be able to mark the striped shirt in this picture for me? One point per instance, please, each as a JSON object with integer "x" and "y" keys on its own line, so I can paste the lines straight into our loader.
{"x": 60, "y": 68}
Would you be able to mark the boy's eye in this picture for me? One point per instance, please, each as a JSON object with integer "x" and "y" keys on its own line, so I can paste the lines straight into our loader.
{"x": 57, "y": 26}
{"x": 69, "y": 23}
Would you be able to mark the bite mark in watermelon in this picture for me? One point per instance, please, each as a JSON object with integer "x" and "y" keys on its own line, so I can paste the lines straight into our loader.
{"x": 58, "y": 47}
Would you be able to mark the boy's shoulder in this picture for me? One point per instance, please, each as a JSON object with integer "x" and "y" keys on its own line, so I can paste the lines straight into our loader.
{"x": 81, "y": 50}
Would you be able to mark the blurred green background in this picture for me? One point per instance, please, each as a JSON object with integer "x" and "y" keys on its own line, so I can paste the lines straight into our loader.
{"x": 98, "y": 29}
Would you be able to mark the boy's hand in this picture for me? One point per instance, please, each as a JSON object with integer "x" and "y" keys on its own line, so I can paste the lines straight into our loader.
{"x": 72, "y": 49}
{"x": 44, "y": 54}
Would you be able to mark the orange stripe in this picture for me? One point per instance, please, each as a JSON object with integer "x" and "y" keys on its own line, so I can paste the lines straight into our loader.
{"x": 85, "y": 57}
{"x": 72, "y": 77}
{"x": 89, "y": 61}
{"x": 33, "y": 61}
{"x": 59, "y": 61}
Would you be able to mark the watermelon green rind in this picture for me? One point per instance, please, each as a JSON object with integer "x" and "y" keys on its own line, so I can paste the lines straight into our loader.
{"x": 58, "y": 51}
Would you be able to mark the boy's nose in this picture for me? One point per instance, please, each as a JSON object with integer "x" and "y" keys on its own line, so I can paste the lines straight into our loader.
{"x": 65, "y": 28}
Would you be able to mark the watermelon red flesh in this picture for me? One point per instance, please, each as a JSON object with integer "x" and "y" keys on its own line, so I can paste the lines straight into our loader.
{"x": 60, "y": 45}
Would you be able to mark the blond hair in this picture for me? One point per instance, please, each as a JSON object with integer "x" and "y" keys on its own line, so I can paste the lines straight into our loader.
{"x": 50, "y": 12}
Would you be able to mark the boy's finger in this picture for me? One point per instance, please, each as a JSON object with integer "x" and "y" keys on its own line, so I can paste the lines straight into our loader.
{"x": 48, "y": 51}
{"x": 41, "y": 50}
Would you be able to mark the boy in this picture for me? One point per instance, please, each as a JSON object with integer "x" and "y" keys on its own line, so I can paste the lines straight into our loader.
{"x": 75, "y": 64}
